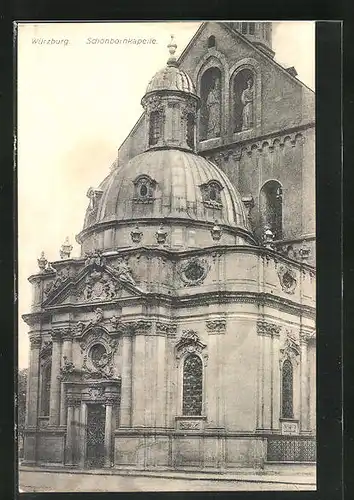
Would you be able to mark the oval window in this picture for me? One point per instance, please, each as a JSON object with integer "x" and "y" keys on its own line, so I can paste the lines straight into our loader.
{"x": 288, "y": 280}
{"x": 143, "y": 190}
{"x": 98, "y": 351}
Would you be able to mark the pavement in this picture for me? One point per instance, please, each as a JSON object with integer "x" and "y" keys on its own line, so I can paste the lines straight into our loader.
{"x": 35, "y": 479}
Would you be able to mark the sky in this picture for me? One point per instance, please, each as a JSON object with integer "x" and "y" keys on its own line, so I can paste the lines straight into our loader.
{"x": 76, "y": 103}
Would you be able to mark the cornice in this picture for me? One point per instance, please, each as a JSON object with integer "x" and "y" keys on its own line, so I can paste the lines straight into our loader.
{"x": 33, "y": 319}
{"x": 247, "y": 145}
{"x": 220, "y": 249}
{"x": 220, "y": 296}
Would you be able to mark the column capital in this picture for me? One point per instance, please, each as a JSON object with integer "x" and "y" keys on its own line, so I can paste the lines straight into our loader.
{"x": 304, "y": 337}
{"x": 166, "y": 328}
{"x": 35, "y": 340}
{"x": 216, "y": 325}
{"x": 73, "y": 400}
{"x": 140, "y": 326}
{"x": 266, "y": 328}
{"x": 67, "y": 334}
{"x": 111, "y": 399}
{"x": 61, "y": 333}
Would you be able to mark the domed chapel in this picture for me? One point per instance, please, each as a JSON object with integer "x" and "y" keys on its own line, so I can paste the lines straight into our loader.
{"x": 184, "y": 335}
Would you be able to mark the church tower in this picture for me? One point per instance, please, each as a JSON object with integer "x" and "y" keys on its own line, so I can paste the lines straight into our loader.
{"x": 259, "y": 33}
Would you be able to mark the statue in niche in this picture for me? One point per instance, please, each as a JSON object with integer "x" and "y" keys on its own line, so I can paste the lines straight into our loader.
{"x": 247, "y": 101}
{"x": 213, "y": 107}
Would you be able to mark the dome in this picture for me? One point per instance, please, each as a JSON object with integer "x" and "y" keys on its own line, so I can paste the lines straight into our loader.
{"x": 171, "y": 78}
{"x": 167, "y": 183}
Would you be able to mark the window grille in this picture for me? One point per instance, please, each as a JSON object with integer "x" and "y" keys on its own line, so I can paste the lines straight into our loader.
{"x": 192, "y": 385}
{"x": 287, "y": 390}
{"x": 291, "y": 449}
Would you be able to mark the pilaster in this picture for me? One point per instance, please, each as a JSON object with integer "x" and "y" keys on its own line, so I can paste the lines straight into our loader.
{"x": 126, "y": 390}
{"x": 108, "y": 433}
{"x": 30, "y": 441}
{"x": 69, "y": 434}
{"x": 66, "y": 356}
{"x": 304, "y": 385}
{"x": 140, "y": 328}
{"x": 82, "y": 437}
{"x": 54, "y": 410}
{"x": 266, "y": 331}
{"x": 138, "y": 384}
{"x": 33, "y": 380}
{"x": 160, "y": 388}
{"x": 215, "y": 401}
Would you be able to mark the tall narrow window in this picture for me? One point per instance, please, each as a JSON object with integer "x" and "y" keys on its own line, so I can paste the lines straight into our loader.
{"x": 45, "y": 396}
{"x": 154, "y": 128}
{"x": 211, "y": 41}
{"x": 287, "y": 390}
{"x": 251, "y": 28}
{"x": 244, "y": 28}
{"x": 190, "y": 130}
{"x": 192, "y": 385}
{"x": 271, "y": 206}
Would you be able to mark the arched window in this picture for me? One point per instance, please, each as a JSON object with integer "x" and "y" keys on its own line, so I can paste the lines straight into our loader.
{"x": 45, "y": 394}
{"x": 154, "y": 127}
{"x": 211, "y": 42}
{"x": 271, "y": 207}
{"x": 211, "y": 194}
{"x": 210, "y": 92}
{"x": 287, "y": 390}
{"x": 243, "y": 100}
{"x": 144, "y": 189}
{"x": 192, "y": 385}
{"x": 190, "y": 130}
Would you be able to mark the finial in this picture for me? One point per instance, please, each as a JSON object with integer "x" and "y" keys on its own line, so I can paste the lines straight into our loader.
{"x": 161, "y": 235}
{"x": 216, "y": 231}
{"x": 66, "y": 249}
{"x": 136, "y": 234}
{"x": 268, "y": 237}
{"x": 172, "y": 61}
{"x": 42, "y": 262}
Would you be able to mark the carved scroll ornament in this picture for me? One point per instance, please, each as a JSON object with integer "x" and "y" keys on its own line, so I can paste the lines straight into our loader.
{"x": 189, "y": 343}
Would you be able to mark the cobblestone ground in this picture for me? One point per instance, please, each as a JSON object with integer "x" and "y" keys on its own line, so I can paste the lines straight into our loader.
{"x": 66, "y": 482}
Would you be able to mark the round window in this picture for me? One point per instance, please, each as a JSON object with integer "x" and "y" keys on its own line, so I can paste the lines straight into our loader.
{"x": 98, "y": 352}
{"x": 194, "y": 272}
{"x": 143, "y": 190}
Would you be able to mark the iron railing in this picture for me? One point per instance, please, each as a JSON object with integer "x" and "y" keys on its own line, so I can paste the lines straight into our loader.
{"x": 291, "y": 449}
